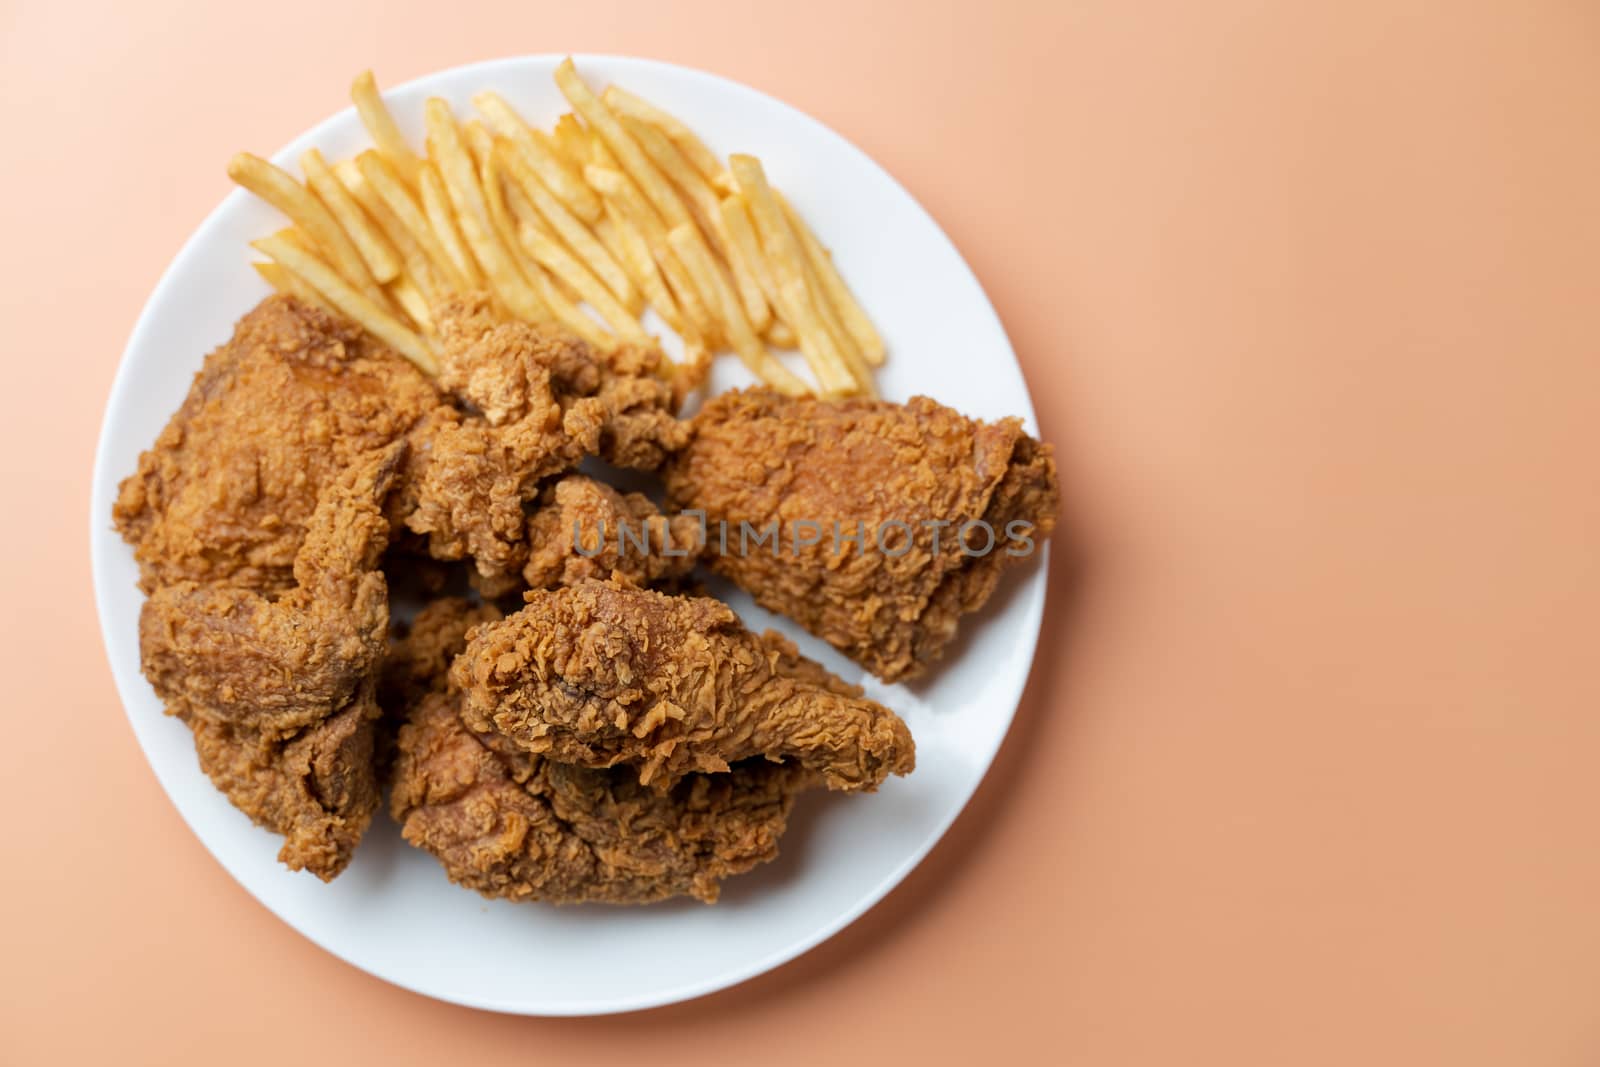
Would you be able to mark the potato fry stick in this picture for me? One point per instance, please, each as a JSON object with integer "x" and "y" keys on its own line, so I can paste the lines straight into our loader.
{"x": 409, "y": 214}
{"x": 571, "y": 139}
{"x": 843, "y": 343}
{"x": 850, "y": 312}
{"x": 414, "y": 262}
{"x": 571, "y": 316}
{"x": 376, "y": 251}
{"x": 607, "y": 235}
{"x": 700, "y": 198}
{"x": 514, "y": 221}
{"x": 479, "y": 141}
{"x": 349, "y": 300}
{"x": 557, "y": 176}
{"x": 405, "y": 293}
{"x": 622, "y": 145}
{"x": 293, "y": 199}
{"x": 781, "y": 335}
{"x": 645, "y": 273}
{"x": 291, "y": 285}
{"x": 461, "y": 181}
{"x": 617, "y": 189}
{"x": 625, "y": 103}
{"x": 380, "y": 125}
{"x": 750, "y": 272}
{"x": 794, "y": 298}
{"x": 577, "y": 236}
{"x": 499, "y": 192}
{"x": 551, "y": 255}
{"x": 697, "y": 260}
{"x": 442, "y": 221}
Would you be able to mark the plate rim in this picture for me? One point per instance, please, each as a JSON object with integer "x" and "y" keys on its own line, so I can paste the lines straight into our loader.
{"x": 102, "y": 538}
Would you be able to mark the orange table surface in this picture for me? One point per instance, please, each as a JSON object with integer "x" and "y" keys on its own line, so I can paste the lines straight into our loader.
{"x": 1308, "y": 296}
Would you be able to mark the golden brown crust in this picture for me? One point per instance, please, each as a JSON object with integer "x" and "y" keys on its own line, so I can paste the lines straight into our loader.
{"x": 602, "y": 674}
{"x": 760, "y": 458}
{"x": 511, "y": 824}
{"x": 280, "y": 693}
{"x": 619, "y": 534}
{"x": 536, "y": 405}
{"x": 271, "y": 419}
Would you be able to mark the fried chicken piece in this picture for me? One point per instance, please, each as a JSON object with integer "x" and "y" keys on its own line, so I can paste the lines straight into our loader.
{"x": 317, "y": 787}
{"x": 511, "y": 824}
{"x": 270, "y": 420}
{"x": 586, "y": 529}
{"x": 484, "y": 361}
{"x": 278, "y": 666}
{"x": 281, "y": 693}
{"x": 917, "y": 473}
{"x": 421, "y": 651}
{"x": 601, "y": 674}
{"x": 467, "y": 488}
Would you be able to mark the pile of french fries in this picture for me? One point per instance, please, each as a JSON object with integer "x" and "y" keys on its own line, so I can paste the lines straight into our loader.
{"x": 619, "y": 207}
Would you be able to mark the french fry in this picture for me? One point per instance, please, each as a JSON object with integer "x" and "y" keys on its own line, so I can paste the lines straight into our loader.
{"x": 479, "y": 141}
{"x": 380, "y": 124}
{"x": 625, "y": 103}
{"x": 290, "y": 284}
{"x": 850, "y": 313}
{"x": 408, "y": 297}
{"x": 461, "y": 181}
{"x": 642, "y": 268}
{"x": 794, "y": 303}
{"x": 750, "y": 272}
{"x": 280, "y": 190}
{"x": 573, "y": 142}
{"x": 442, "y": 222}
{"x": 577, "y": 236}
{"x": 376, "y": 251}
{"x": 843, "y": 343}
{"x": 349, "y": 300}
{"x": 571, "y": 316}
{"x": 617, "y": 189}
{"x": 555, "y": 258}
{"x": 780, "y": 334}
{"x": 498, "y": 193}
{"x": 561, "y": 179}
{"x": 414, "y": 263}
{"x": 634, "y": 162}
{"x": 700, "y": 198}
{"x": 409, "y": 214}
{"x": 697, "y": 260}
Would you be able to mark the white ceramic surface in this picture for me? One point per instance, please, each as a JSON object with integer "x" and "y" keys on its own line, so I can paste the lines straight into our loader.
{"x": 393, "y": 913}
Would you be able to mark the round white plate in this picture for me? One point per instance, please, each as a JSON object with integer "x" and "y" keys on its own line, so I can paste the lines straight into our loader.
{"x": 393, "y": 913}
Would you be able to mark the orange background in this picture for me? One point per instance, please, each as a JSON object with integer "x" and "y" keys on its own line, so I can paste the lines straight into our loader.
{"x": 1309, "y": 298}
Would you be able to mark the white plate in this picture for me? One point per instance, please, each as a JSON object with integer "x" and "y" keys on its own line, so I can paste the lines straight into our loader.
{"x": 393, "y": 913}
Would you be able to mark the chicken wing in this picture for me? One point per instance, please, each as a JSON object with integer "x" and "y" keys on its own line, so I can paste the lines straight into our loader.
{"x": 888, "y": 522}
{"x": 602, "y": 674}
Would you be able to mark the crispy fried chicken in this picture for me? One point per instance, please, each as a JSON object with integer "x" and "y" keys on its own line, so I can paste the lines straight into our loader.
{"x": 586, "y": 529}
{"x": 275, "y": 414}
{"x": 280, "y": 693}
{"x": 536, "y": 406}
{"x": 602, "y": 674}
{"x": 917, "y": 473}
{"x": 511, "y": 824}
